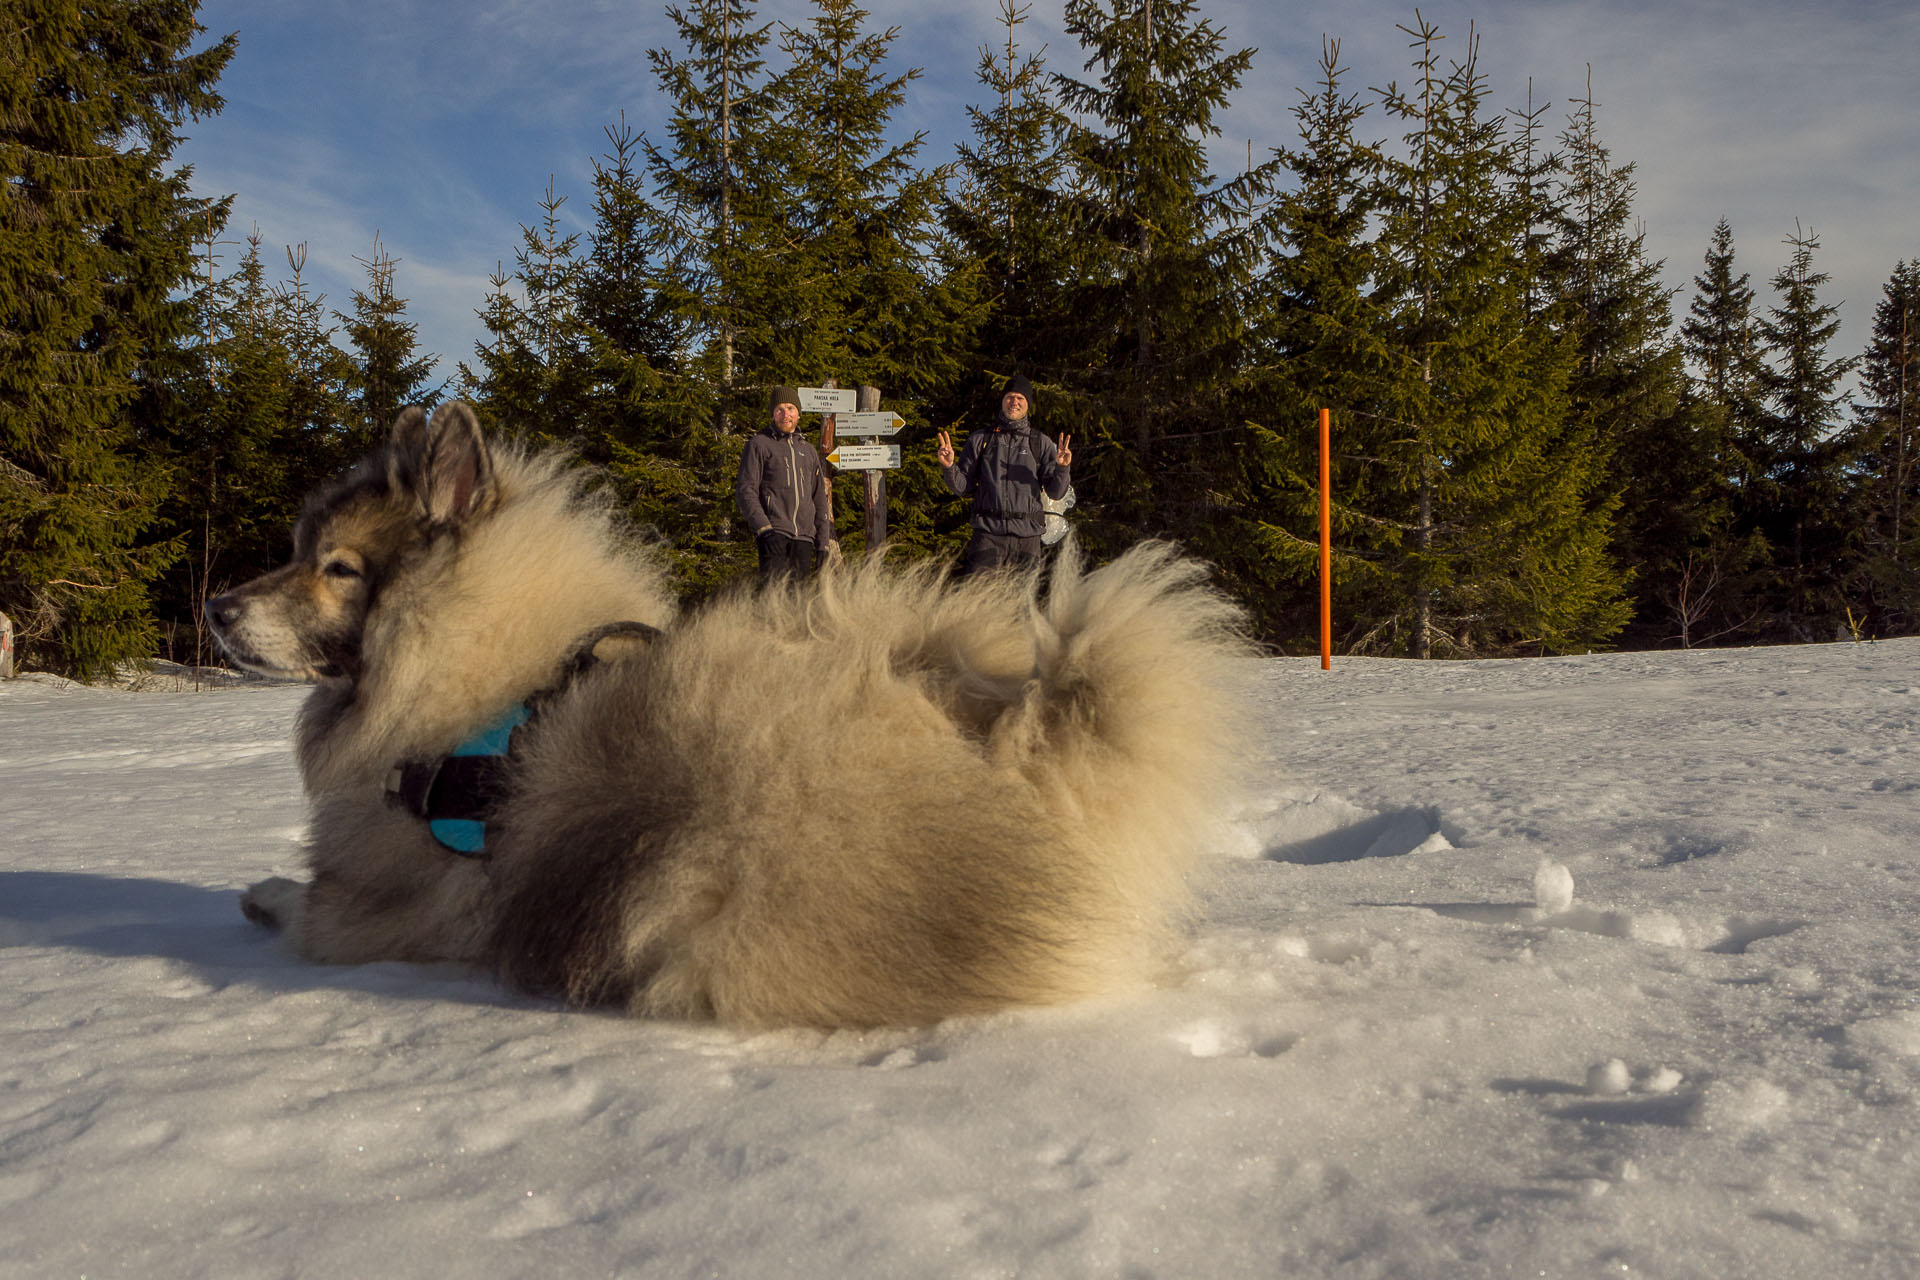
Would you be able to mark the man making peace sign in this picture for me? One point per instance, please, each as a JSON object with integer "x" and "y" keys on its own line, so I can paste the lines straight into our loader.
{"x": 1006, "y": 468}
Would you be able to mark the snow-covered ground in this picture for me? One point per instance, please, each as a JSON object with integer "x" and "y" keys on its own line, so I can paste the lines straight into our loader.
{"x": 1573, "y": 967}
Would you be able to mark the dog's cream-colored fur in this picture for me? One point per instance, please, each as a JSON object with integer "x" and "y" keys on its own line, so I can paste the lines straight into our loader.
{"x": 881, "y": 797}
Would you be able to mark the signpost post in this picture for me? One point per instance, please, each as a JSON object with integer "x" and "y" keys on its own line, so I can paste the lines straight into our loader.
{"x": 1326, "y": 541}
{"x": 868, "y": 405}
{"x": 829, "y": 395}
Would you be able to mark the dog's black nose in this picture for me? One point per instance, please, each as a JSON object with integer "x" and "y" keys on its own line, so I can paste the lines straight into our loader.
{"x": 223, "y": 611}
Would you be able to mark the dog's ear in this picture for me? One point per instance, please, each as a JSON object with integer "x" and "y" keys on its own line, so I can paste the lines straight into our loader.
{"x": 445, "y": 463}
{"x": 407, "y": 450}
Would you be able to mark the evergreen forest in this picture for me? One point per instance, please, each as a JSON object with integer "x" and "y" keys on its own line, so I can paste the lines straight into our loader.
{"x": 1538, "y": 448}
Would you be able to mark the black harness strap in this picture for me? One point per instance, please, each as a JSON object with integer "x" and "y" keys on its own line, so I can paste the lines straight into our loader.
{"x": 458, "y": 790}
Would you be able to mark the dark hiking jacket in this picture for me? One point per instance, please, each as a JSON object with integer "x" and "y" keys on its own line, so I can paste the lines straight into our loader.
{"x": 1005, "y": 467}
{"x": 783, "y": 487}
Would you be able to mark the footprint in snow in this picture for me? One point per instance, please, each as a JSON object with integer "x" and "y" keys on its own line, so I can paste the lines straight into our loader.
{"x": 1328, "y": 830}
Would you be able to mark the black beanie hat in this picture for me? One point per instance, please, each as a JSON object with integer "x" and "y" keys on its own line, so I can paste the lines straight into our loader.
{"x": 1018, "y": 382}
{"x": 783, "y": 395}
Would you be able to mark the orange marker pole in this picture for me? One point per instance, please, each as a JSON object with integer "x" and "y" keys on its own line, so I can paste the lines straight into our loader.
{"x": 1326, "y": 540}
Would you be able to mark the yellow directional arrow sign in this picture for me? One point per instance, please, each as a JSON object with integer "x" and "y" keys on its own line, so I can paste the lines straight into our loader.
{"x": 865, "y": 457}
{"x": 883, "y": 423}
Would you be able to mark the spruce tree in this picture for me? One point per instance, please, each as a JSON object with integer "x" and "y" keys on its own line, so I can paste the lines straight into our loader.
{"x": 1493, "y": 491}
{"x": 237, "y": 456}
{"x": 1316, "y": 340}
{"x": 1004, "y": 212}
{"x": 654, "y": 412}
{"x": 1165, "y": 255}
{"x": 96, "y": 259}
{"x": 387, "y": 372}
{"x": 534, "y": 374}
{"x": 713, "y": 186}
{"x": 860, "y": 218}
{"x": 1800, "y": 460}
{"x": 1719, "y": 588}
{"x": 1719, "y": 334}
{"x": 1627, "y": 391}
{"x": 629, "y": 321}
{"x": 1884, "y": 446}
{"x": 505, "y": 381}
{"x": 321, "y": 443}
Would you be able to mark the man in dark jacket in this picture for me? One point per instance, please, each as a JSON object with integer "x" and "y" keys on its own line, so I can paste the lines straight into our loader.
{"x": 1006, "y": 468}
{"x": 782, "y": 492}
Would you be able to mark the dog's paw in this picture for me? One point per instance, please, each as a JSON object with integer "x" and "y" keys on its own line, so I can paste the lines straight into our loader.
{"x": 273, "y": 903}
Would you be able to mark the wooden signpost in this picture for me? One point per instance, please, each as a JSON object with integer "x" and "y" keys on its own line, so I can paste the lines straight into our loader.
{"x": 850, "y": 413}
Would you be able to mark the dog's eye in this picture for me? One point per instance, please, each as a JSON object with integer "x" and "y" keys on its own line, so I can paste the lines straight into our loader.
{"x": 340, "y": 569}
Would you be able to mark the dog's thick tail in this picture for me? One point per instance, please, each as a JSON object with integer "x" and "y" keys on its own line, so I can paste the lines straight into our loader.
{"x": 1128, "y": 723}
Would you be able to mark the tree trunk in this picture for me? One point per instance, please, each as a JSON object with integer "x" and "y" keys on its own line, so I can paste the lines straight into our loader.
{"x": 1423, "y": 539}
{"x": 726, "y": 209}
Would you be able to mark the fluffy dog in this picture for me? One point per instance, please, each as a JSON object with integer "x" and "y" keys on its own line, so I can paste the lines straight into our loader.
{"x": 877, "y": 798}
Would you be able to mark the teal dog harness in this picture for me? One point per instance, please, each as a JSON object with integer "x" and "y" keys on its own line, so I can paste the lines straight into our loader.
{"x": 455, "y": 794}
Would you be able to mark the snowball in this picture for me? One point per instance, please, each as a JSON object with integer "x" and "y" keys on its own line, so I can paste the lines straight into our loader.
{"x": 1662, "y": 1080}
{"x": 1608, "y": 1079}
{"x": 1552, "y": 888}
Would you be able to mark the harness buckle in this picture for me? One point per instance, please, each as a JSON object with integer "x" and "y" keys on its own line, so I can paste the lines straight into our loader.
{"x": 410, "y": 785}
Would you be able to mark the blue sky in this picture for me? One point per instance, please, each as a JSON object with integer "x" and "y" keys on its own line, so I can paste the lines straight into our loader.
{"x": 438, "y": 125}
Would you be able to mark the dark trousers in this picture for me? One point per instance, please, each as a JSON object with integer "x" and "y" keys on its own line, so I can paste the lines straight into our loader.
{"x": 782, "y": 556}
{"x": 990, "y": 551}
